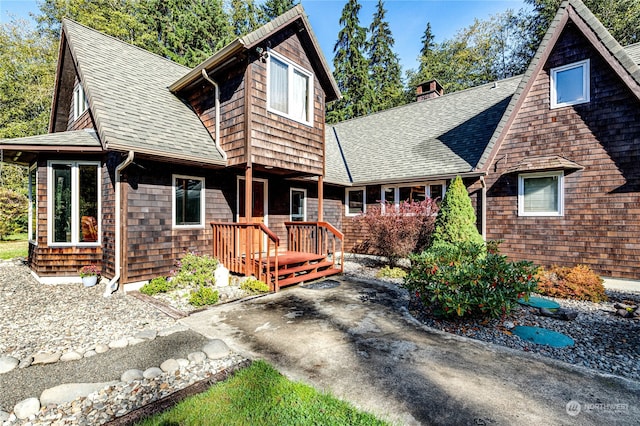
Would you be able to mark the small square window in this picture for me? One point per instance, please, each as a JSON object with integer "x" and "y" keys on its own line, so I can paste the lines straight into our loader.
{"x": 570, "y": 84}
{"x": 541, "y": 194}
{"x": 355, "y": 202}
{"x": 188, "y": 201}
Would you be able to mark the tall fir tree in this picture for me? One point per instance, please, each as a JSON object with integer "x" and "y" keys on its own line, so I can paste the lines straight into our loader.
{"x": 384, "y": 65}
{"x": 428, "y": 46}
{"x": 245, "y": 16}
{"x": 351, "y": 68}
{"x": 273, "y": 8}
{"x": 456, "y": 220}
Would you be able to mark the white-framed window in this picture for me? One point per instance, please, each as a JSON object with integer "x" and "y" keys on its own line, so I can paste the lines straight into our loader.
{"x": 80, "y": 104}
{"x": 395, "y": 194}
{"x": 74, "y": 202}
{"x": 32, "y": 227}
{"x": 355, "y": 201}
{"x": 298, "y": 200}
{"x": 570, "y": 84}
{"x": 541, "y": 194}
{"x": 289, "y": 89}
{"x": 188, "y": 201}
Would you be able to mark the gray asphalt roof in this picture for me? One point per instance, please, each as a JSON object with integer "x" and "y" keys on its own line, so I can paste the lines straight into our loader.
{"x": 127, "y": 88}
{"x": 436, "y": 137}
{"x": 77, "y": 138}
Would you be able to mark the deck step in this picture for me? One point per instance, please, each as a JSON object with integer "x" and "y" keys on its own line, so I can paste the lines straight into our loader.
{"x": 293, "y": 258}
{"x": 308, "y": 277}
{"x": 311, "y": 267}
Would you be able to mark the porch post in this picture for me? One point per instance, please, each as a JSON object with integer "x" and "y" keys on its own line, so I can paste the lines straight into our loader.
{"x": 320, "y": 198}
{"x": 248, "y": 214}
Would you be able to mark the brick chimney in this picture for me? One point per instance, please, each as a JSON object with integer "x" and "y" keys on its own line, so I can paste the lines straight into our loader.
{"x": 428, "y": 90}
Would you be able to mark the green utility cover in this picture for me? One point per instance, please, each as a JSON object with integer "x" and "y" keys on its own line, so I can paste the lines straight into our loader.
{"x": 539, "y": 302}
{"x": 542, "y": 336}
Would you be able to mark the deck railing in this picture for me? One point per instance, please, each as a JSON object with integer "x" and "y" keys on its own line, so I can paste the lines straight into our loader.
{"x": 320, "y": 238}
{"x": 247, "y": 248}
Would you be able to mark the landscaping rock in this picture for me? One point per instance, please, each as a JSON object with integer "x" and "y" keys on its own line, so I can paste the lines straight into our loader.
{"x": 152, "y": 373}
{"x": 8, "y": 363}
{"x": 173, "y": 329}
{"x": 101, "y": 348}
{"x": 146, "y": 334}
{"x": 46, "y": 358}
{"x": 26, "y": 407}
{"x": 561, "y": 314}
{"x": 4, "y": 416}
{"x": 89, "y": 354}
{"x": 216, "y": 349}
{"x": 25, "y": 362}
{"x": 70, "y": 356}
{"x": 119, "y": 344}
{"x": 131, "y": 375}
{"x": 170, "y": 365}
{"x": 197, "y": 357}
{"x": 69, "y": 391}
{"x": 183, "y": 362}
{"x": 135, "y": 341}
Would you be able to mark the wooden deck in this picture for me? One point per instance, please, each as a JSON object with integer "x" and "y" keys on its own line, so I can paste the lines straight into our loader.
{"x": 297, "y": 267}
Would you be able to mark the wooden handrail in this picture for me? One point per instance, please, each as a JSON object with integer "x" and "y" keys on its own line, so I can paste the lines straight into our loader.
{"x": 309, "y": 237}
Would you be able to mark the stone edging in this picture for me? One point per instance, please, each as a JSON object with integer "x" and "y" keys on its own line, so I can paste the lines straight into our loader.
{"x": 32, "y": 408}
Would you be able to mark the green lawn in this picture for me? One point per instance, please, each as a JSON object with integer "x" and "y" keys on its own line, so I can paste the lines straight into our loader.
{"x": 260, "y": 395}
{"x": 14, "y": 246}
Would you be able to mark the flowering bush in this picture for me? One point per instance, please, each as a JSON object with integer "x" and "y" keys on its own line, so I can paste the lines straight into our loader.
{"x": 89, "y": 271}
{"x": 467, "y": 279}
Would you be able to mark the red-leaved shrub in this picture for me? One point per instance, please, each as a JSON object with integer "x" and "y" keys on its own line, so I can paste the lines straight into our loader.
{"x": 579, "y": 283}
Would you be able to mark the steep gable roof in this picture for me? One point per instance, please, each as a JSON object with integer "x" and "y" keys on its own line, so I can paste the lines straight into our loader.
{"x": 127, "y": 91}
{"x": 246, "y": 42}
{"x": 436, "y": 138}
{"x": 623, "y": 61}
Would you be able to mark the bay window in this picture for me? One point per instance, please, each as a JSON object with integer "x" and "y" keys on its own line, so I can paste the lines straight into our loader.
{"x": 413, "y": 192}
{"x": 74, "y": 207}
{"x": 33, "y": 203}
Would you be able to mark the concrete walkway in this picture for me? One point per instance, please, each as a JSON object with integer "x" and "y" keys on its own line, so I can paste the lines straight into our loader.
{"x": 359, "y": 342}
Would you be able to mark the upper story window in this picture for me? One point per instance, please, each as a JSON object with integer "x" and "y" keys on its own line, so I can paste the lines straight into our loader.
{"x": 298, "y": 205}
{"x": 80, "y": 104}
{"x": 289, "y": 89}
{"x": 570, "y": 84}
{"x": 188, "y": 201}
{"x": 541, "y": 194}
{"x": 355, "y": 201}
{"x": 74, "y": 206}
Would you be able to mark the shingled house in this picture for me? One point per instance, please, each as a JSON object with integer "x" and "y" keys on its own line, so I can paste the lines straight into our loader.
{"x": 147, "y": 159}
{"x": 551, "y": 158}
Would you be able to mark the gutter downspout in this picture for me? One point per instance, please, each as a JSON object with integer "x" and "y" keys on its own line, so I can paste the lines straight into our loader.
{"x": 217, "y": 107}
{"x": 112, "y": 285}
{"x": 483, "y": 222}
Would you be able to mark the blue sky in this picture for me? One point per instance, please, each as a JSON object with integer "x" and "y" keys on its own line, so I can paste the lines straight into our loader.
{"x": 407, "y": 18}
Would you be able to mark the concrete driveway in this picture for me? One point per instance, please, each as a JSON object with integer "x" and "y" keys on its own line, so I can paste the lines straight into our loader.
{"x": 358, "y": 341}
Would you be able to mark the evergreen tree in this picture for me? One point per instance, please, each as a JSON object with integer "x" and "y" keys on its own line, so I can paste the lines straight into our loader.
{"x": 428, "y": 45}
{"x": 384, "y": 65}
{"x": 456, "y": 221}
{"x": 245, "y": 17}
{"x": 273, "y": 8}
{"x": 351, "y": 68}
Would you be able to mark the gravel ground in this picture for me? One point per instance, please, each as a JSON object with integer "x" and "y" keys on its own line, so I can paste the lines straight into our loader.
{"x": 603, "y": 341}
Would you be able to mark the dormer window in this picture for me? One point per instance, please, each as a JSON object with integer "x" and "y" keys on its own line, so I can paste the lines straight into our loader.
{"x": 570, "y": 84}
{"x": 289, "y": 89}
{"x": 80, "y": 104}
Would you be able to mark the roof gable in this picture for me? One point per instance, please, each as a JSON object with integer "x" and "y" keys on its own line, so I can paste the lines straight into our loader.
{"x": 127, "y": 91}
{"x": 294, "y": 16}
{"x": 624, "y": 63}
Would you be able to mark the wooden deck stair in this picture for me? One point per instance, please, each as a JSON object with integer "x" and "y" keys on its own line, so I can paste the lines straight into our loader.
{"x": 296, "y": 267}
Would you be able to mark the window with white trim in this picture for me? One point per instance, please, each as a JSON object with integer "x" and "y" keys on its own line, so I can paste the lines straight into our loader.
{"x": 80, "y": 104}
{"x": 33, "y": 203}
{"x": 289, "y": 89}
{"x": 188, "y": 201}
{"x": 355, "y": 201}
{"x": 570, "y": 84}
{"x": 541, "y": 194}
{"x": 298, "y": 205}
{"x": 395, "y": 194}
{"x": 74, "y": 202}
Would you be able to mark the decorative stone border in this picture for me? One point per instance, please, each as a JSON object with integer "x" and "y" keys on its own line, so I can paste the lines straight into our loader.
{"x": 32, "y": 409}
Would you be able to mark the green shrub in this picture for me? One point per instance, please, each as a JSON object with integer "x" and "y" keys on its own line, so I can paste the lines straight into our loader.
{"x": 196, "y": 270}
{"x": 12, "y": 208}
{"x": 465, "y": 279}
{"x": 389, "y": 272}
{"x": 204, "y": 296}
{"x": 157, "y": 285}
{"x": 579, "y": 283}
{"x": 456, "y": 221}
{"x": 254, "y": 286}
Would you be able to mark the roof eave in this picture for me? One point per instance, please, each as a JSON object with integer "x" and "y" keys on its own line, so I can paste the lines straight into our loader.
{"x": 441, "y": 176}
